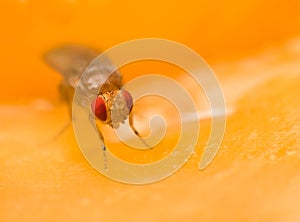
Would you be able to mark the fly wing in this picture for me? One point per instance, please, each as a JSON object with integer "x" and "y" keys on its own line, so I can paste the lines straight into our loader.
{"x": 71, "y": 60}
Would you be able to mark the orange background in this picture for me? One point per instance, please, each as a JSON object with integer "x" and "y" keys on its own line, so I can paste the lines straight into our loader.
{"x": 253, "y": 47}
{"x": 217, "y": 30}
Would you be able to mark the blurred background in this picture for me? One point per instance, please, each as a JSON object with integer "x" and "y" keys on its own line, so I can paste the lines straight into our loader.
{"x": 217, "y": 30}
{"x": 254, "y": 48}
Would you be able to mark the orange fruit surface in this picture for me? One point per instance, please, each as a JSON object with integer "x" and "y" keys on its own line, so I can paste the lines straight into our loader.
{"x": 254, "y": 49}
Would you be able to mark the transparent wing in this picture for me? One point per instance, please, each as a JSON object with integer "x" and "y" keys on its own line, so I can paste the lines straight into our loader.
{"x": 71, "y": 60}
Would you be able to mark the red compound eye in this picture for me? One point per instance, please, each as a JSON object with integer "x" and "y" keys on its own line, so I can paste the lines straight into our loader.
{"x": 128, "y": 99}
{"x": 99, "y": 108}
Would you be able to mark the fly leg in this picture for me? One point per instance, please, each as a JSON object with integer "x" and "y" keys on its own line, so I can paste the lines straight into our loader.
{"x": 92, "y": 121}
{"x": 65, "y": 127}
{"x": 135, "y": 130}
{"x": 57, "y": 135}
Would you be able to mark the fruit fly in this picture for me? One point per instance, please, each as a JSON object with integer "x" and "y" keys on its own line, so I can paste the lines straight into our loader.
{"x": 71, "y": 61}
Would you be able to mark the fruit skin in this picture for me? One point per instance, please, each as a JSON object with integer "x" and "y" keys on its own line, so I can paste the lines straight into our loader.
{"x": 57, "y": 180}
